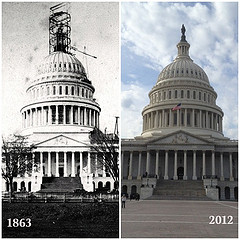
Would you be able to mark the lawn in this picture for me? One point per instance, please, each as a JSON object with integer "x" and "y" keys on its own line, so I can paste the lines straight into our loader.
{"x": 62, "y": 220}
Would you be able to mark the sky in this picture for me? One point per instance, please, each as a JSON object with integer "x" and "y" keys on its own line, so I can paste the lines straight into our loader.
{"x": 149, "y": 34}
{"x": 25, "y": 45}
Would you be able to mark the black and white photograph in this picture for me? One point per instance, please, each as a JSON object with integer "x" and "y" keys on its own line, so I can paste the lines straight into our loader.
{"x": 179, "y": 119}
{"x": 60, "y": 119}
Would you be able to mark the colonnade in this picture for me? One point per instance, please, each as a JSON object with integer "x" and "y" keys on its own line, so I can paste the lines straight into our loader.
{"x": 58, "y": 164}
{"x": 60, "y": 114}
{"x": 183, "y": 117}
{"x": 165, "y": 163}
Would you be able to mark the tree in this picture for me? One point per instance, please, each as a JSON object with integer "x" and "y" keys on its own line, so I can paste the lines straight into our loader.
{"x": 17, "y": 158}
{"x": 106, "y": 146}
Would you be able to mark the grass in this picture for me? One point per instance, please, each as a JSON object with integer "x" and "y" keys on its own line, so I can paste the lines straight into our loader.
{"x": 62, "y": 220}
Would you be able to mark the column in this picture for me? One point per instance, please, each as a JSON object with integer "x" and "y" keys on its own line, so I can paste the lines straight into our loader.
{"x": 185, "y": 117}
{"x": 139, "y": 165}
{"x": 175, "y": 177}
{"x": 212, "y": 123}
{"x": 148, "y": 163}
{"x": 221, "y": 164}
{"x": 166, "y": 166}
{"x": 170, "y": 117}
{"x": 163, "y": 118}
{"x": 204, "y": 163}
{"x": 50, "y": 115}
{"x": 207, "y": 125}
{"x": 213, "y": 163}
{"x": 49, "y": 164}
{"x": 178, "y": 117}
{"x": 152, "y": 120}
{"x": 185, "y": 165}
{"x": 64, "y": 114}
{"x": 193, "y": 118}
{"x": 89, "y": 163}
{"x": 230, "y": 168}
{"x": 194, "y": 166}
{"x": 57, "y": 164}
{"x": 94, "y": 118}
{"x": 130, "y": 166}
{"x": 85, "y": 116}
{"x": 73, "y": 165}
{"x": 200, "y": 119}
{"x": 41, "y": 163}
{"x": 81, "y": 163}
{"x": 157, "y": 164}
{"x": 71, "y": 114}
{"x": 65, "y": 164}
{"x": 56, "y": 114}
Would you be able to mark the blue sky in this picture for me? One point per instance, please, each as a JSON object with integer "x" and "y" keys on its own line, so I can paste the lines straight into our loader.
{"x": 25, "y": 45}
{"x": 149, "y": 34}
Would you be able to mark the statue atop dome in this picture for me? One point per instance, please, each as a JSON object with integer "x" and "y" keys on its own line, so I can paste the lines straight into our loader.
{"x": 183, "y": 30}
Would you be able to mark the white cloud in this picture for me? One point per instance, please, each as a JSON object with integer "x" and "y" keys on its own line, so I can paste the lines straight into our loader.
{"x": 152, "y": 30}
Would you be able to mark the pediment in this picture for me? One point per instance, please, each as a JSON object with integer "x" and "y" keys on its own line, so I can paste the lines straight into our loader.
{"x": 61, "y": 141}
{"x": 179, "y": 138}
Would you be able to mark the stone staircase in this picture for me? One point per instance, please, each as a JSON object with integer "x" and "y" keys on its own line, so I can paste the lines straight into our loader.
{"x": 179, "y": 190}
{"x": 60, "y": 184}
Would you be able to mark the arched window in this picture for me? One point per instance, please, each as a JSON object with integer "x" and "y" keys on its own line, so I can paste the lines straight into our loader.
{"x": 15, "y": 186}
{"x": 86, "y": 93}
{"x": 204, "y": 96}
{"x": 227, "y": 192}
{"x": 108, "y": 185}
{"x": 82, "y": 92}
{"x": 60, "y": 90}
{"x": 66, "y": 90}
{"x": 182, "y": 93}
{"x": 72, "y": 90}
{"x": 48, "y": 90}
{"x": 176, "y": 93}
{"x": 170, "y": 94}
{"x": 200, "y": 96}
{"x": 100, "y": 185}
{"x": 54, "y": 90}
{"x": 78, "y": 91}
{"x": 194, "y": 94}
{"x": 29, "y": 186}
{"x": 164, "y": 95}
{"x": 188, "y": 94}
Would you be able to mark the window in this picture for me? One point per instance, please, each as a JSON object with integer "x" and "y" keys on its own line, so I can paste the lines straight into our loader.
{"x": 54, "y": 90}
{"x": 78, "y": 91}
{"x": 194, "y": 94}
{"x": 208, "y": 98}
{"x": 175, "y": 118}
{"x": 82, "y": 92}
{"x": 48, "y": 90}
{"x": 60, "y": 90}
{"x": 170, "y": 94}
{"x": 66, "y": 90}
{"x": 72, "y": 90}
{"x": 175, "y": 93}
{"x": 204, "y": 96}
{"x": 200, "y": 96}
{"x": 188, "y": 94}
{"x": 164, "y": 95}
{"x": 86, "y": 93}
{"x": 182, "y": 93}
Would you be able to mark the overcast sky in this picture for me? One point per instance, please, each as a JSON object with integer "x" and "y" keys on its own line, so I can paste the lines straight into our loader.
{"x": 25, "y": 44}
{"x": 149, "y": 34}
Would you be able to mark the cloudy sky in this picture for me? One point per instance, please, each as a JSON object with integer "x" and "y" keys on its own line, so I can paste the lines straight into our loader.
{"x": 25, "y": 44}
{"x": 149, "y": 34}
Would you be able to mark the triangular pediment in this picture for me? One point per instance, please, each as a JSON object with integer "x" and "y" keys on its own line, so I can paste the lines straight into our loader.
{"x": 61, "y": 141}
{"x": 179, "y": 138}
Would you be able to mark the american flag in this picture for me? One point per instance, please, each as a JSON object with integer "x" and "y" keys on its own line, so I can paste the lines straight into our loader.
{"x": 177, "y": 107}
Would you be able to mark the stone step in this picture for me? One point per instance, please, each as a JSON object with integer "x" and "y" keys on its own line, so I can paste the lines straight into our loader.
{"x": 170, "y": 197}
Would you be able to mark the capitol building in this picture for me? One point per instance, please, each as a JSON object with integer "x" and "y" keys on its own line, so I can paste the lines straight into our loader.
{"x": 58, "y": 117}
{"x": 182, "y": 152}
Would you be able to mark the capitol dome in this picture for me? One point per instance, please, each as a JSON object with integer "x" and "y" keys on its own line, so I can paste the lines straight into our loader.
{"x": 61, "y": 62}
{"x": 184, "y": 84}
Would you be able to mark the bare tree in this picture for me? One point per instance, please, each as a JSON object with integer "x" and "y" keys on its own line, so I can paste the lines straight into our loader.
{"x": 17, "y": 158}
{"x": 107, "y": 148}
